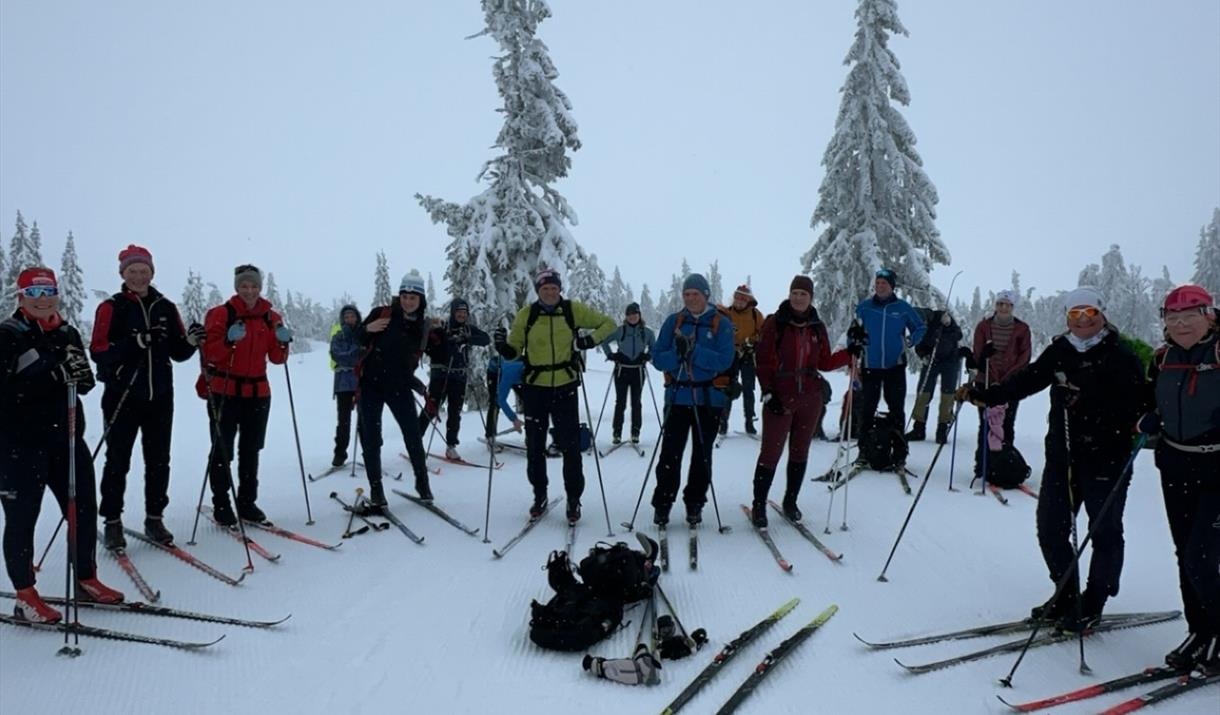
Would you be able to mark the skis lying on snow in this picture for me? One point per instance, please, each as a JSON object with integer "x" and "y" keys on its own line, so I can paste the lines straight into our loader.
{"x": 1149, "y": 675}
{"x": 328, "y": 471}
{"x": 438, "y": 511}
{"x": 752, "y": 435}
{"x": 389, "y": 516}
{"x": 852, "y": 473}
{"x": 1045, "y": 639}
{"x": 432, "y": 470}
{"x": 663, "y": 540}
{"x": 725, "y": 655}
{"x": 81, "y": 629}
{"x": 608, "y": 452}
{"x": 499, "y": 553}
{"x": 236, "y": 534}
{"x": 188, "y": 557}
{"x": 768, "y": 663}
{"x": 765, "y": 535}
{"x": 502, "y": 446}
{"x": 805, "y": 532}
{"x": 1028, "y": 490}
{"x": 129, "y": 568}
{"x": 1000, "y": 629}
{"x": 1185, "y": 684}
{"x": 285, "y": 533}
{"x": 461, "y": 462}
{"x": 165, "y": 611}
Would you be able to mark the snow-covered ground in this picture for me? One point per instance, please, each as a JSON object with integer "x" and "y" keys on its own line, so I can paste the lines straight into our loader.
{"x": 384, "y": 625}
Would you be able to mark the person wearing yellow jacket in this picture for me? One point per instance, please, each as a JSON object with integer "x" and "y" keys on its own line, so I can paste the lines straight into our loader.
{"x": 747, "y": 326}
{"x": 545, "y": 336}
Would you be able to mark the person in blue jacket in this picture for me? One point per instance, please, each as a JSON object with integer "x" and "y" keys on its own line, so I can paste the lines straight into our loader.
{"x": 344, "y": 354}
{"x": 505, "y": 375}
{"x": 694, "y": 349}
{"x": 891, "y": 324}
{"x": 634, "y": 340}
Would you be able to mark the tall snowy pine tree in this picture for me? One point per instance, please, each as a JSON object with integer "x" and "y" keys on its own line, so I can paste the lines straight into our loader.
{"x": 587, "y": 283}
{"x": 501, "y": 236}
{"x": 715, "y": 283}
{"x": 72, "y": 287}
{"x": 381, "y": 282}
{"x": 1207, "y": 256}
{"x": 272, "y": 292}
{"x": 22, "y": 254}
{"x": 877, "y": 204}
{"x": 194, "y": 305}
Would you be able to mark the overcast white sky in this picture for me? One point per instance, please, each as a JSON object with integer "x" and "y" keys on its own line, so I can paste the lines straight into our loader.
{"x": 294, "y": 135}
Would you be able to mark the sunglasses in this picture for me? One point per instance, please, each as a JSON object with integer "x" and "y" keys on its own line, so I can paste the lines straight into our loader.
{"x": 1086, "y": 312}
{"x": 40, "y": 292}
{"x": 1181, "y": 317}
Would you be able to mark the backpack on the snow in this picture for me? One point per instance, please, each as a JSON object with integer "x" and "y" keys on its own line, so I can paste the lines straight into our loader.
{"x": 883, "y": 447}
{"x": 586, "y": 439}
{"x": 577, "y": 616}
{"x": 1006, "y": 467}
{"x": 617, "y": 571}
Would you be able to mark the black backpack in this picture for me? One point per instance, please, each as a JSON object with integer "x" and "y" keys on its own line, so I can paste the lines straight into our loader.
{"x": 617, "y": 571}
{"x": 577, "y": 616}
{"x": 1007, "y": 468}
{"x": 883, "y": 447}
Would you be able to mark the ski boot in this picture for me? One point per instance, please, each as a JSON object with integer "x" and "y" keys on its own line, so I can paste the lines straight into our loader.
{"x": 1191, "y": 652}
{"x": 90, "y": 589}
{"x": 222, "y": 512}
{"x": 918, "y": 432}
{"x": 376, "y": 497}
{"x": 660, "y": 514}
{"x": 635, "y": 437}
{"x": 942, "y": 433}
{"x": 538, "y": 508}
{"x": 796, "y": 477}
{"x": 154, "y": 528}
{"x": 573, "y": 512}
{"x": 30, "y": 607}
{"x": 451, "y": 454}
{"x": 750, "y": 426}
{"x": 1055, "y": 608}
{"x": 112, "y": 535}
{"x": 616, "y": 439}
{"x": 422, "y": 488}
{"x": 758, "y": 514}
{"x": 339, "y": 460}
{"x": 249, "y": 511}
{"x": 694, "y": 514}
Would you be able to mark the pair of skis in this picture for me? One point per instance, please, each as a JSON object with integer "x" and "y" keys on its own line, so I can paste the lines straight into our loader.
{"x": 856, "y": 469}
{"x": 998, "y": 492}
{"x": 529, "y": 525}
{"x": 761, "y": 671}
{"x": 634, "y": 446}
{"x": 461, "y": 462}
{"x": 382, "y": 511}
{"x": 764, "y": 533}
{"x": 692, "y": 546}
{"x": 125, "y": 563}
{"x": 1182, "y": 683}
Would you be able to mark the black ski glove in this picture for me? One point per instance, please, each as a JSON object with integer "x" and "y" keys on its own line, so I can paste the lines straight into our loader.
{"x": 73, "y": 368}
{"x": 857, "y": 334}
{"x": 923, "y": 350}
{"x": 681, "y": 346}
{"x": 773, "y": 403}
{"x": 196, "y": 334}
{"x": 585, "y": 342}
{"x": 988, "y": 349}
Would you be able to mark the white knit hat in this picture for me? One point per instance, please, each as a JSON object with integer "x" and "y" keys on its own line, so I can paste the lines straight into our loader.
{"x": 1008, "y": 295}
{"x": 1086, "y": 296}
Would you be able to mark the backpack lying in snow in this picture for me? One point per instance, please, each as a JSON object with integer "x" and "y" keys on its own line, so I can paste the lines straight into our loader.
{"x": 883, "y": 447}
{"x": 577, "y": 616}
{"x": 1006, "y": 468}
{"x": 617, "y": 571}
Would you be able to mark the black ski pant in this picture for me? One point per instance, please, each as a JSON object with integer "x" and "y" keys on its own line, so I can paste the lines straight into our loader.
{"x": 629, "y": 379}
{"x": 453, "y": 393}
{"x": 1191, "y": 486}
{"x": 344, "y": 403}
{"x": 153, "y": 420}
{"x": 1010, "y": 421}
{"x": 402, "y": 408}
{"x": 745, "y": 374}
{"x": 558, "y": 406}
{"x": 1091, "y": 481}
{"x": 681, "y": 422}
{"x": 247, "y": 416}
{"x": 26, "y": 470}
{"x": 873, "y": 381}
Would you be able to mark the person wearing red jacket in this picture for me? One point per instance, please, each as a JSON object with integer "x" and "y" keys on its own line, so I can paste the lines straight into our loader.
{"x": 792, "y": 350}
{"x": 242, "y": 335}
{"x": 1002, "y": 347}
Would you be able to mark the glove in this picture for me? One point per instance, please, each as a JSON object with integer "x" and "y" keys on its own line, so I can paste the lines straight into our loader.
{"x": 196, "y": 334}
{"x": 618, "y": 358}
{"x": 988, "y": 349}
{"x": 856, "y": 333}
{"x": 459, "y": 336}
{"x": 499, "y": 336}
{"x": 854, "y": 349}
{"x": 159, "y": 333}
{"x": 237, "y": 332}
{"x": 283, "y": 333}
{"x": 773, "y": 403}
{"x": 1149, "y": 424}
{"x": 585, "y": 342}
{"x": 681, "y": 346}
{"x": 430, "y": 408}
{"x": 970, "y": 393}
{"x": 923, "y": 350}
{"x": 646, "y": 357}
{"x": 143, "y": 338}
{"x": 74, "y": 368}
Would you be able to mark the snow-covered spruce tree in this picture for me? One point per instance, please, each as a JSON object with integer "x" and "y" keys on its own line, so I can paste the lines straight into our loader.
{"x": 1207, "y": 256}
{"x": 34, "y": 254}
{"x": 382, "y": 294}
{"x": 271, "y": 292}
{"x": 194, "y": 305}
{"x": 587, "y": 283}
{"x": 715, "y": 283}
{"x": 1128, "y": 295}
{"x": 875, "y": 201}
{"x": 648, "y": 310}
{"x": 215, "y": 297}
{"x": 977, "y": 311}
{"x": 619, "y": 294}
{"x": 519, "y": 223}
{"x": 1161, "y": 287}
{"x": 297, "y": 311}
{"x": 433, "y": 303}
{"x": 72, "y": 287}
{"x": 19, "y": 258}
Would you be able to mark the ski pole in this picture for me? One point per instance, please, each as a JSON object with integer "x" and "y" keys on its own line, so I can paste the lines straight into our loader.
{"x": 843, "y": 458}
{"x": 651, "y": 393}
{"x": 694, "y": 641}
{"x": 606, "y": 398}
{"x": 700, "y": 442}
{"x": 1094, "y": 523}
{"x": 953, "y": 450}
{"x": 71, "y": 591}
{"x": 1067, "y": 448}
{"x": 986, "y": 446}
{"x": 489, "y": 428}
{"x": 630, "y": 525}
{"x": 597, "y": 462}
{"x": 292, "y": 409}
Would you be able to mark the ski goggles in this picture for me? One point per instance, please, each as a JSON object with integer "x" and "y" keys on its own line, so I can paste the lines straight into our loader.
{"x": 1087, "y": 311}
{"x": 40, "y": 291}
{"x": 887, "y": 274}
{"x": 1182, "y": 317}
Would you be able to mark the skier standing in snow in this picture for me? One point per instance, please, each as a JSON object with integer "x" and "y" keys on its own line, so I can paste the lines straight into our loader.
{"x": 887, "y": 321}
{"x": 503, "y": 377}
{"x": 447, "y": 348}
{"x": 1001, "y": 348}
{"x": 136, "y": 333}
{"x": 1185, "y": 388}
{"x": 792, "y": 349}
{"x": 695, "y": 350}
{"x": 344, "y": 357}
{"x": 243, "y": 334}
{"x": 1096, "y": 386}
{"x": 634, "y": 340}
{"x": 394, "y": 337}
{"x": 544, "y": 336}
{"x": 39, "y": 355}
{"x": 747, "y": 328}
{"x": 939, "y": 350}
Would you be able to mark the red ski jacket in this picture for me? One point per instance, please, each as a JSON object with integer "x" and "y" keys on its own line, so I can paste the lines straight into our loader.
{"x": 240, "y": 369}
{"x": 791, "y": 351}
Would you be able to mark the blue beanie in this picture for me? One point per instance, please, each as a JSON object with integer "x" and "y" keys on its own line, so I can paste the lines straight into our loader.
{"x": 697, "y": 282}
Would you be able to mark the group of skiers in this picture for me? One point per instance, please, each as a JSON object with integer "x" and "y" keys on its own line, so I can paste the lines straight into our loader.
{"x": 709, "y": 356}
